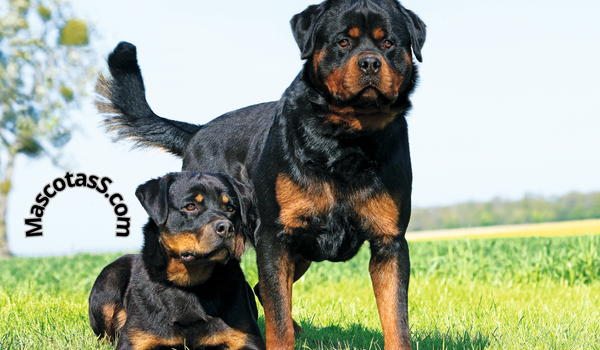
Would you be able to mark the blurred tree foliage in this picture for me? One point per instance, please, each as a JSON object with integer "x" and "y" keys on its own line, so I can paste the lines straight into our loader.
{"x": 531, "y": 209}
{"x": 45, "y": 62}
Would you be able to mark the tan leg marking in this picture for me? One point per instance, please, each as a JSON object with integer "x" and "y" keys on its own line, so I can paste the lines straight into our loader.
{"x": 231, "y": 338}
{"x": 142, "y": 340}
{"x": 280, "y": 335}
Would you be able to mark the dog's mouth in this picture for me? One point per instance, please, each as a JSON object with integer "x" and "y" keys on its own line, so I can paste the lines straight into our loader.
{"x": 369, "y": 94}
{"x": 370, "y": 97}
{"x": 219, "y": 255}
{"x": 369, "y": 100}
{"x": 191, "y": 267}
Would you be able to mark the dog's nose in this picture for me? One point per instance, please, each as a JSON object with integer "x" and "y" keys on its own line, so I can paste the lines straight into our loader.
{"x": 369, "y": 64}
{"x": 223, "y": 228}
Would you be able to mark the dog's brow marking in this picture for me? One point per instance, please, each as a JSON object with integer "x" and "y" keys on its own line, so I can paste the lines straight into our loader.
{"x": 225, "y": 199}
{"x": 199, "y": 198}
{"x": 354, "y": 32}
{"x": 378, "y": 34}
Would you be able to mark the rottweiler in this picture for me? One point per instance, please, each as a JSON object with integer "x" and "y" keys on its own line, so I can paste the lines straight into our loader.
{"x": 186, "y": 289}
{"x": 329, "y": 161}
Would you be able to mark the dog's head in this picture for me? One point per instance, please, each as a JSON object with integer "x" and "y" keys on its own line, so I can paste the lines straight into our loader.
{"x": 359, "y": 53}
{"x": 201, "y": 221}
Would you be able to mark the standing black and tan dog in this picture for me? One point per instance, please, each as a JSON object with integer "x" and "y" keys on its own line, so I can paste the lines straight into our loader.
{"x": 330, "y": 161}
{"x": 186, "y": 289}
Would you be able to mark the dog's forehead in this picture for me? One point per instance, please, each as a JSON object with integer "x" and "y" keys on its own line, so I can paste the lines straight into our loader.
{"x": 364, "y": 18}
{"x": 201, "y": 188}
{"x": 212, "y": 195}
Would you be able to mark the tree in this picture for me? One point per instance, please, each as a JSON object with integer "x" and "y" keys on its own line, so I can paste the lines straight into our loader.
{"x": 45, "y": 61}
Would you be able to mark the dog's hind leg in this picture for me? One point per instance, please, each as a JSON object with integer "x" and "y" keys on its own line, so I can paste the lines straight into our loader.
{"x": 106, "y": 303}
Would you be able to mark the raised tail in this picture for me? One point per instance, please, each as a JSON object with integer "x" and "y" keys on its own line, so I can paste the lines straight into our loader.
{"x": 127, "y": 115}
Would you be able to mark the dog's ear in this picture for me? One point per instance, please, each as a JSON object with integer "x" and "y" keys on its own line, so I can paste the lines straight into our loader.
{"x": 248, "y": 213}
{"x": 417, "y": 29}
{"x": 153, "y": 195}
{"x": 303, "y": 27}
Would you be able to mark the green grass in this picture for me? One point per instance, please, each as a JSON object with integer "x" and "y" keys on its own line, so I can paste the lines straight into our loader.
{"x": 514, "y": 293}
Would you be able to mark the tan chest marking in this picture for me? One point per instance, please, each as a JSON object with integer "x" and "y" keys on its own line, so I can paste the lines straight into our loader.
{"x": 298, "y": 203}
{"x": 378, "y": 213}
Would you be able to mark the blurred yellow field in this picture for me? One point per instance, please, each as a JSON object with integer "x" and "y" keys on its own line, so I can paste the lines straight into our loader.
{"x": 565, "y": 228}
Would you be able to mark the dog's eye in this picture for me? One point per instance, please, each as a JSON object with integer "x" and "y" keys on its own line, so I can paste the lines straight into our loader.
{"x": 230, "y": 208}
{"x": 344, "y": 43}
{"x": 388, "y": 44}
{"x": 190, "y": 207}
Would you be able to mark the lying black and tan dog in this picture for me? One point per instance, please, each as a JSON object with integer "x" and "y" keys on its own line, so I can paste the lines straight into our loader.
{"x": 329, "y": 161}
{"x": 186, "y": 289}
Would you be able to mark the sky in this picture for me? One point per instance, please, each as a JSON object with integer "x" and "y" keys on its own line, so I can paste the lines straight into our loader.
{"x": 507, "y": 104}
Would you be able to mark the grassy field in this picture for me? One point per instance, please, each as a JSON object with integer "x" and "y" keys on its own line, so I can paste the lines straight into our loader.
{"x": 547, "y": 229}
{"x": 493, "y": 293}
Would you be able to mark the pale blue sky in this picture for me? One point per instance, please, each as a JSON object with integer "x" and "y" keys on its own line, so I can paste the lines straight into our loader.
{"x": 507, "y": 104}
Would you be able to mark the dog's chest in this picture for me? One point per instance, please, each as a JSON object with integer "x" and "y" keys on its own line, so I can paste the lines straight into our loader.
{"x": 322, "y": 207}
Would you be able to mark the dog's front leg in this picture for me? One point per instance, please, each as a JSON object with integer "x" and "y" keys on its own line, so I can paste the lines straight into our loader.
{"x": 390, "y": 272}
{"x": 275, "y": 264}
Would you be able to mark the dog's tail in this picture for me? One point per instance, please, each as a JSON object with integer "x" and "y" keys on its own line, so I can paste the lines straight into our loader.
{"x": 127, "y": 115}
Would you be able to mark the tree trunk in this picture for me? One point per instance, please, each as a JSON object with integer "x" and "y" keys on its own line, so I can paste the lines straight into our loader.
{"x": 5, "y": 187}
